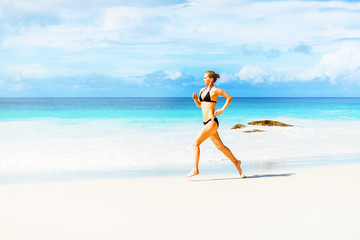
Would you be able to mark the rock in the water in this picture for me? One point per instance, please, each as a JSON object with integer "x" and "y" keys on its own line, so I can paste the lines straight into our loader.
{"x": 238, "y": 126}
{"x": 254, "y": 130}
{"x": 270, "y": 123}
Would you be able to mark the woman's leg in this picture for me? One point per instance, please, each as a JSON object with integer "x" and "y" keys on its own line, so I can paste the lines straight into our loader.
{"x": 205, "y": 132}
{"x": 215, "y": 138}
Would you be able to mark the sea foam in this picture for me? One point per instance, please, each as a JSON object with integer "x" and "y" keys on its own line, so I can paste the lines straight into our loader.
{"x": 62, "y": 145}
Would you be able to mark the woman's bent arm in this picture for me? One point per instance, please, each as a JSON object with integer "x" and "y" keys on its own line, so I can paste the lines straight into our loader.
{"x": 227, "y": 103}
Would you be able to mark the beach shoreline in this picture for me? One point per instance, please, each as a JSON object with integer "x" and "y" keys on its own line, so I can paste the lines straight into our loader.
{"x": 223, "y": 167}
{"x": 312, "y": 203}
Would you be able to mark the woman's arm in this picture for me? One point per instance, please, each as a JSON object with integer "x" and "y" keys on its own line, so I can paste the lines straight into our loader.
{"x": 197, "y": 103}
{"x": 228, "y": 101}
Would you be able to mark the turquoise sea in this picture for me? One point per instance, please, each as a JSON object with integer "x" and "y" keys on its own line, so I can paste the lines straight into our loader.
{"x": 171, "y": 109}
{"x": 77, "y": 137}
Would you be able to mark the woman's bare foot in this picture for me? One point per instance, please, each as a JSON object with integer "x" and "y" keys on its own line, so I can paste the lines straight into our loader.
{"x": 192, "y": 173}
{"x": 239, "y": 168}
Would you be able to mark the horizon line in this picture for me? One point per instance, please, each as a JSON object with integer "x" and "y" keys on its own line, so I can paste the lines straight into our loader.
{"x": 176, "y": 97}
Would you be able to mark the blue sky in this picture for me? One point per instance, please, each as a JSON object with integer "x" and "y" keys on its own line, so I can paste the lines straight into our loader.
{"x": 162, "y": 48}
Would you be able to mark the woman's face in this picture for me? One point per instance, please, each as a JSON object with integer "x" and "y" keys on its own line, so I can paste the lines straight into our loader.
{"x": 207, "y": 80}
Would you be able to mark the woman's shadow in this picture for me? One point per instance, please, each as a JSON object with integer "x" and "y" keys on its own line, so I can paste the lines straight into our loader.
{"x": 244, "y": 178}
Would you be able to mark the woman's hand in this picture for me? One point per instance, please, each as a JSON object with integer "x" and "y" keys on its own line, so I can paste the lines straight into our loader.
{"x": 218, "y": 112}
{"x": 196, "y": 101}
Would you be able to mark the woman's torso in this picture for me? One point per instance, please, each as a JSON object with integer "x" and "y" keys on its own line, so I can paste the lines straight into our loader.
{"x": 208, "y": 108}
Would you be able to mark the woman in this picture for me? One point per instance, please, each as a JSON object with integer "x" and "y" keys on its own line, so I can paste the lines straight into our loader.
{"x": 207, "y": 101}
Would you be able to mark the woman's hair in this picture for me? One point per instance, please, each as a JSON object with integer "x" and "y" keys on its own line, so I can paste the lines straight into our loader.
{"x": 213, "y": 75}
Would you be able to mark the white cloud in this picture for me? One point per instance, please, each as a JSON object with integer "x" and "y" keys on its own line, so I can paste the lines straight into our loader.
{"x": 27, "y": 71}
{"x": 226, "y": 78}
{"x": 341, "y": 65}
{"x": 121, "y": 18}
{"x": 272, "y": 23}
{"x": 173, "y": 75}
{"x": 251, "y": 74}
{"x": 17, "y": 87}
{"x": 58, "y": 6}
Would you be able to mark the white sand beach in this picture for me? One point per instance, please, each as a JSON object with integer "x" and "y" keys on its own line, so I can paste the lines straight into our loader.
{"x": 317, "y": 203}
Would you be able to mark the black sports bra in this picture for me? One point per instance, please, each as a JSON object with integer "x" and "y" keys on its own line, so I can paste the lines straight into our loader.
{"x": 207, "y": 97}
